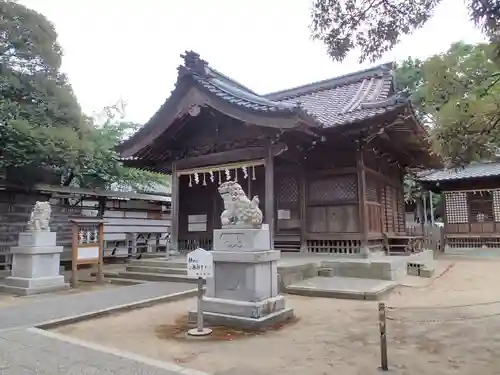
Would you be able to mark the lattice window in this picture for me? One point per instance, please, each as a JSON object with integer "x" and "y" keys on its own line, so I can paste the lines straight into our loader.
{"x": 456, "y": 207}
{"x": 481, "y": 206}
{"x": 496, "y": 205}
{"x": 400, "y": 210}
{"x": 383, "y": 203}
{"x": 287, "y": 188}
{"x": 341, "y": 188}
{"x": 390, "y": 208}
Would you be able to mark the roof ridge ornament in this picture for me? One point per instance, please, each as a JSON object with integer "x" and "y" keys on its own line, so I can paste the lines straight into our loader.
{"x": 194, "y": 63}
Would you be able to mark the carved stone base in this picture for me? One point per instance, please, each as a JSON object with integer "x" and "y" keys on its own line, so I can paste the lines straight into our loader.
{"x": 35, "y": 265}
{"x": 28, "y": 286}
{"x": 241, "y": 239}
{"x": 244, "y": 292}
{"x": 244, "y": 314}
{"x": 244, "y": 276}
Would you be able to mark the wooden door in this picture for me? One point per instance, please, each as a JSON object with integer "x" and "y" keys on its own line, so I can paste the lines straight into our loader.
{"x": 287, "y": 198}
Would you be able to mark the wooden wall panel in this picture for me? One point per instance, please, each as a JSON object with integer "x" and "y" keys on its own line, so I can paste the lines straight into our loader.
{"x": 342, "y": 219}
{"x": 316, "y": 219}
{"x": 333, "y": 219}
{"x": 374, "y": 219}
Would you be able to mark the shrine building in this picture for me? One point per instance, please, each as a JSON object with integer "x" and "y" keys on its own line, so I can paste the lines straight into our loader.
{"x": 326, "y": 159}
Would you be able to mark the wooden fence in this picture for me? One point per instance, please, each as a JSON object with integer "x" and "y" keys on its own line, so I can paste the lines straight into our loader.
{"x": 139, "y": 223}
{"x": 433, "y": 235}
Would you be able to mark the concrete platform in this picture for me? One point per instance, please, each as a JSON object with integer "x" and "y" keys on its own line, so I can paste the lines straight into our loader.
{"x": 472, "y": 252}
{"x": 292, "y": 267}
{"x": 342, "y": 287}
{"x": 243, "y": 322}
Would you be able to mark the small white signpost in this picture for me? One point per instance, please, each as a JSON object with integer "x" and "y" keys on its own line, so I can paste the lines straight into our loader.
{"x": 200, "y": 265}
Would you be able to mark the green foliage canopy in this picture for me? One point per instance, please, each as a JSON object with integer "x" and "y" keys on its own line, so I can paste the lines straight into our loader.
{"x": 41, "y": 122}
{"x": 376, "y": 26}
{"x": 458, "y": 95}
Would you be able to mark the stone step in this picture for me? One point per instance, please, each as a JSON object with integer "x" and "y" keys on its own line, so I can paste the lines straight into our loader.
{"x": 153, "y": 255}
{"x": 124, "y": 282}
{"x": 157, "y": 263}
{"x": 106, "y": 273}
{"x": 146, "y": 276}
{"x": 165, "y": 270}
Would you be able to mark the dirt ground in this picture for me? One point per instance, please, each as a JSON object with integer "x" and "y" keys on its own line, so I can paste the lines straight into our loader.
{"x": 335, "y": 336}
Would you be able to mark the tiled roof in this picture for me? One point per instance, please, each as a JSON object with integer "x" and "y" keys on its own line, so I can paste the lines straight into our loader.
{"x": 231, "y": 90}
{"x": 346, "y": 99}
{"x": 475, "y": 170}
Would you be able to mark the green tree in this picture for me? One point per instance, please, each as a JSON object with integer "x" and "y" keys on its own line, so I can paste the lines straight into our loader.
{"x": 42, "y": 126}
{"x": 376, "y": 26}
{"x": 30, "y": 77}
{"x": 41, "y": 121}
{"x": 458, "y": 92}
{"x": 103, "y": 167}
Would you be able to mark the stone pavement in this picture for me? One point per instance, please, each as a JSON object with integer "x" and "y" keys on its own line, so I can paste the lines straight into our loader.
{"x": 45, "y": 309}
{"x": 30, "y": 351}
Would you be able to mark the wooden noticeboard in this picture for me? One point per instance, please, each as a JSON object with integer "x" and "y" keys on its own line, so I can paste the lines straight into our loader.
{"x": 87, "y": 246}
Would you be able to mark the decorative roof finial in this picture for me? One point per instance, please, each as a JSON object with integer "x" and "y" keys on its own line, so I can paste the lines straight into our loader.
{"x": 194, "y": 63}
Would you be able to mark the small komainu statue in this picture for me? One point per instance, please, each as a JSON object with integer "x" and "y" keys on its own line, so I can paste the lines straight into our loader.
{"x": 239, "y": 211}
{"x": 40, "y": 217}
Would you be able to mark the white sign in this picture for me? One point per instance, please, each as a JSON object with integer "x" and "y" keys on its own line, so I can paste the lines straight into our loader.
{"x": 284, "y": 215}
{"x": 200, "y": 263}
{"x": 87, "y": 253}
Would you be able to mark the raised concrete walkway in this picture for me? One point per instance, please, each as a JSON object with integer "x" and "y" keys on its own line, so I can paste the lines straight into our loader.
{"x": 26, "y": 350}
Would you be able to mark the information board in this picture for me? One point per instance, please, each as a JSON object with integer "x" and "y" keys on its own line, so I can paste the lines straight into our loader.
{"x": 200, "y": 263}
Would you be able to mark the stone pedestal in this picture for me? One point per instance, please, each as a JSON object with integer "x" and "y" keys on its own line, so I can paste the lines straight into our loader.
{"x": 35, "y": 265}
{"x": 244, "y": 292}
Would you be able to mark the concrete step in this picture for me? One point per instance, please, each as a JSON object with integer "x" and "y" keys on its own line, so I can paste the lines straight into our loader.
{"x": 342, "y": 287}
{"x": 162, "y": 270}
{"x": 157, "y": 263}
{"x": 124, "y": 282}
{"x": 106, "y": 273}
{"x": 153, "y": 255}
{"x": 146, "y": 276}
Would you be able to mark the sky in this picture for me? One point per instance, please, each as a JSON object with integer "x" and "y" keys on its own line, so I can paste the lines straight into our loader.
{"x": 130, "y": 50}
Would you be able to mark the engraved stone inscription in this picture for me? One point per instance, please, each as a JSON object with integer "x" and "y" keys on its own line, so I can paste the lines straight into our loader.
{"x": 232, "y": 240}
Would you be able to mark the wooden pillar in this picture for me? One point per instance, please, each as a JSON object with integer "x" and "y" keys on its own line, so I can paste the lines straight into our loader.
{"x": 74, "y": 250}
{"x": 303, "y": 209}
{"x": 424, "y": 197}
{"x": 174, "y": 236}
{"x": 363, "y": 214}
{"x": 269, "y": 189}
{"x": 431, "y": 206}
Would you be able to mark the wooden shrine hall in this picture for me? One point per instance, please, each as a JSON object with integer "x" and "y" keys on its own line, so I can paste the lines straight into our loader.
{"x": 326, "y": 159}
{"x": 471, "y": 206}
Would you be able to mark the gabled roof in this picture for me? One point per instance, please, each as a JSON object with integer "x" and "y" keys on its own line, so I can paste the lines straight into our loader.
{"x": 474, "y": 170}
{"x": 232, "y": 91}
{"x": 343, "y": 100}
{"x": 346, "y": 99}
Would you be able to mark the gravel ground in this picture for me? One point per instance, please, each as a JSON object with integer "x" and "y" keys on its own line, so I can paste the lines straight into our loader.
{"x": 424, "y": 336}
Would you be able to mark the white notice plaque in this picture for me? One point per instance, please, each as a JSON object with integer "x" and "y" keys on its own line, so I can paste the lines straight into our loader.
{"x": 200, "y": 263}
{"x": 87, "y": 253}
{"x": 284, "y": 215}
